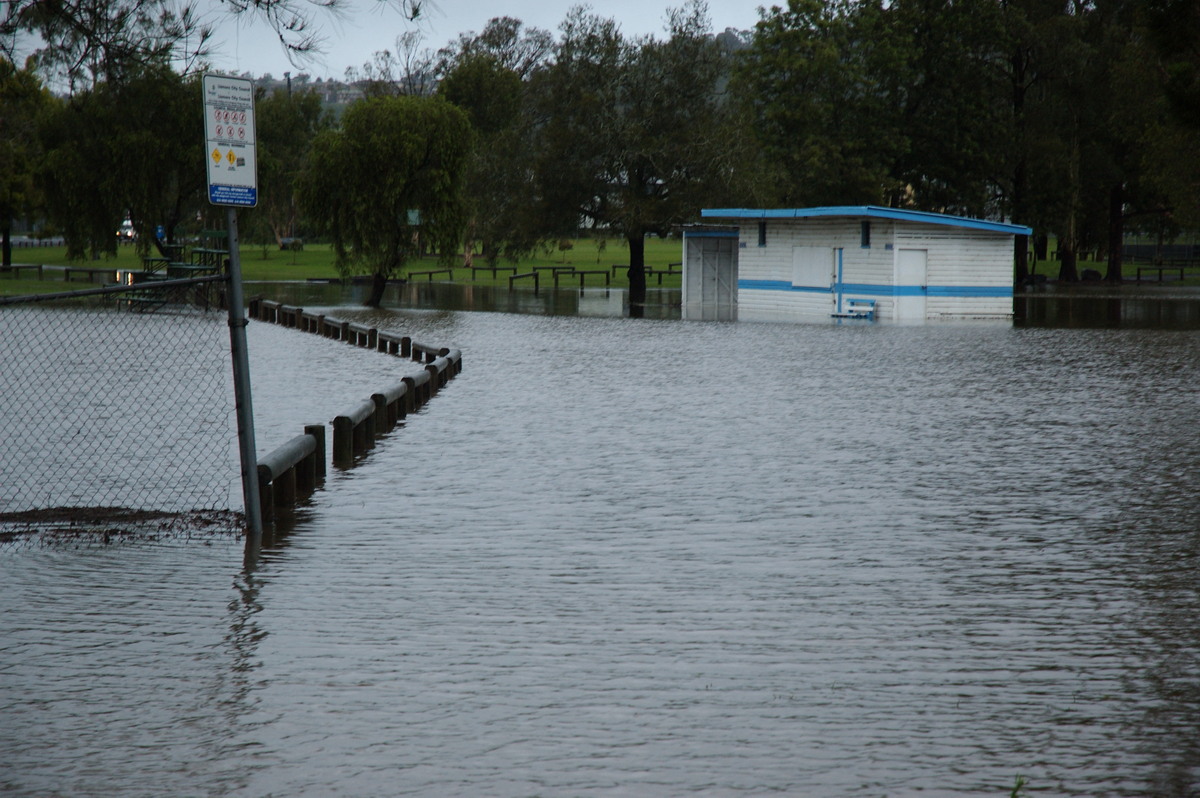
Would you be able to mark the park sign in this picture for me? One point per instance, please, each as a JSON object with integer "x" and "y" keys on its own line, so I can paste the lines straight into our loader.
{"x": 229, "y": 141}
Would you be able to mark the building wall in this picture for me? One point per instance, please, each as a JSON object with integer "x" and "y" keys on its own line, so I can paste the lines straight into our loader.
{"x": 969, "y": 272}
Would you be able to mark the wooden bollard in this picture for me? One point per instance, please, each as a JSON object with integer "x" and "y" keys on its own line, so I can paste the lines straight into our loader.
{"x": 317, "y": 432}
{"x": 437, "y": 374}
{"x": 350, "y": 433}
{"x": 277, "y": 474}
{"x": 389, "y": 407}
{"x": 418, "y": 388}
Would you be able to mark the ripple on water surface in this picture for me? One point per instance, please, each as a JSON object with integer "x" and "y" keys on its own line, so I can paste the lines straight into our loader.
{"x": 656, "y": 558}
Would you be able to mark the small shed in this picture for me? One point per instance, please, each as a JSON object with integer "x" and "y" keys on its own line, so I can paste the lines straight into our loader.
{"x": 850, "y": 261}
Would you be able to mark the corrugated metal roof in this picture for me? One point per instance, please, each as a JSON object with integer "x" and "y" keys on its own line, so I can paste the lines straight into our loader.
{"x": 869, "y": 211}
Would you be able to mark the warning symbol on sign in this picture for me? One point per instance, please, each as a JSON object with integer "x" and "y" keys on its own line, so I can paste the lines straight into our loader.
{"x": 229, "y": 130}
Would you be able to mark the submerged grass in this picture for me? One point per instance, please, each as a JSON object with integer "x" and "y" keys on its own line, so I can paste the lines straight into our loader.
{"x": 315, "y": 262}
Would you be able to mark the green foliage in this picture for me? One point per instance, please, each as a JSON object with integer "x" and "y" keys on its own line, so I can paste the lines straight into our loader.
{"x": 1053, "y": 115}
{"x": 144, "y": 165}
{"x": 489, "y": 92}
{"x": 285, "y": 126}
{"x": 631, "y": 135}
{"x": 22, "y": 100}
{"x": 492, "y": 96}
{"x": 820, "y": 80}
{"x": 392, "y": 156}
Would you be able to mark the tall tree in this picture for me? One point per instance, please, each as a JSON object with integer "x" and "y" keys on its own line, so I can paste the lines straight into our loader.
{"x": 500, "y": 168}
{"x": 507, "y": 40}
{"x": 389, "y": 179}
{"x": 938, "y": 59}
{"x": 22, "y": 99}
{"x": 486, "y": 75}
{"x": 1028, "y": 66}
{"x": 629, "y": 133}
{"x": 286, "y": 123}
{"x": 820, "y": 80}
{"x": 144, "y": 166}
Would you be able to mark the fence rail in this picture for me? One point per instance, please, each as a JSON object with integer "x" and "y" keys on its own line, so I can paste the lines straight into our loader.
{"x": 284, "y": 474}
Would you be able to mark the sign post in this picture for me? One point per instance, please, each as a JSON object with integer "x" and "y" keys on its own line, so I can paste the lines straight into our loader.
{"x": 233, "y": 182}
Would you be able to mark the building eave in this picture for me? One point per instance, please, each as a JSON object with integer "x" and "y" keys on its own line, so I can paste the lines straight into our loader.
{"x": 867, "y": 212}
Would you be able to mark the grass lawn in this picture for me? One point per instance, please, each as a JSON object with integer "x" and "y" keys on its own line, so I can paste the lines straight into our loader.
{"x": 316, "y": 261}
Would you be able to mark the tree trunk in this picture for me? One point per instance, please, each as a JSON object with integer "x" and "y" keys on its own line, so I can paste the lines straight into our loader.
{"x": 7, "y": 246}
{"x": 378, "y": 284}
{"x": 1116, "y": 231}
{"x": 637, "y": 271}
{"x": 1068, "y": 271}
{"x": 1021, "y": 260}
{"x": 1018, "y": 66}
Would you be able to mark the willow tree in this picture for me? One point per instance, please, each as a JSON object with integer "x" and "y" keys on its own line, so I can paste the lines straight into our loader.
{"x": 387, "y": 183}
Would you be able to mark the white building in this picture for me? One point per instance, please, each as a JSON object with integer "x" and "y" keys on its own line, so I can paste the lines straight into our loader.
{"x": 855, "y": 261}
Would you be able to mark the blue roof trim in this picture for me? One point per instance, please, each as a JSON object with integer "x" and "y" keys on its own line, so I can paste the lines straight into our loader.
{"x": 870, "y": 211}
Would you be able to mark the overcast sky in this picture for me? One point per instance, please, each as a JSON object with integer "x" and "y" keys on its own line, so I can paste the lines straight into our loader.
{"x": 368, "y": 27}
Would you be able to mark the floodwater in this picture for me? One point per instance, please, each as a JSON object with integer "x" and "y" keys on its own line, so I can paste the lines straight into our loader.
{"x": 650, "y": 557}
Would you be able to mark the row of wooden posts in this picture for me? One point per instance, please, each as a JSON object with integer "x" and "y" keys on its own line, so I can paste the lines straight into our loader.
{"x": 293, "y": 471}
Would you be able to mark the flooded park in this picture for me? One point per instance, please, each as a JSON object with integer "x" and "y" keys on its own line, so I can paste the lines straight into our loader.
{"x": 652, "y": 557}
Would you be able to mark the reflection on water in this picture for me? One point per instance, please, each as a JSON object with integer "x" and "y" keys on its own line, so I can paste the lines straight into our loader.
{"x": 1149, "y": 307}
{"x": 1095, "y": 306}
{"x": 652, "y": 557}
{"x": 661, "y": 303}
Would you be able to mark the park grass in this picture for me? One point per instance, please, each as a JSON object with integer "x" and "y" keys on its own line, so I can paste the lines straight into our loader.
{"x": 315, "y": 262}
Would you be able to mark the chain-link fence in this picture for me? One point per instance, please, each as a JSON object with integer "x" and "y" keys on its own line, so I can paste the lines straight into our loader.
{"x": 118, "y": 414}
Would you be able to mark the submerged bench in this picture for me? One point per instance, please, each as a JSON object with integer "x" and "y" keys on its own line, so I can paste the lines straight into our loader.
{"x": 857, "y": 309}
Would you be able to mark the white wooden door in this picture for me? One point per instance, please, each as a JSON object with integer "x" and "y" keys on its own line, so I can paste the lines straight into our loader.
{"x": 912, "y": 267}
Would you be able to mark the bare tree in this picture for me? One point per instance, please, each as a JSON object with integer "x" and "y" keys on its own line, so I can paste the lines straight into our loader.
{"x": 407, "y": 72}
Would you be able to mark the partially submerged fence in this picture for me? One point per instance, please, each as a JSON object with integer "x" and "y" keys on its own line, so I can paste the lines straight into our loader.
{"x": 119, "y": 414}
{"x": 118, "y": 411}
{"x": 294, "y": 470}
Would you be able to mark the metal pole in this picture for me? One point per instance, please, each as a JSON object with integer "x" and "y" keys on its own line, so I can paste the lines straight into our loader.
{"x": 241, "y": 389}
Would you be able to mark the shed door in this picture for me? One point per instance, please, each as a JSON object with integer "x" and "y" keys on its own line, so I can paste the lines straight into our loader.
{"x": 912, "y": 266}
{"x": 710, "y": 278}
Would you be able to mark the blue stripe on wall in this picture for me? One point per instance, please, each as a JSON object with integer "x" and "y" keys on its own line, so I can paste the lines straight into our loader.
{"x": 866, "y": 289}
{"x": 780, "y": 285}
